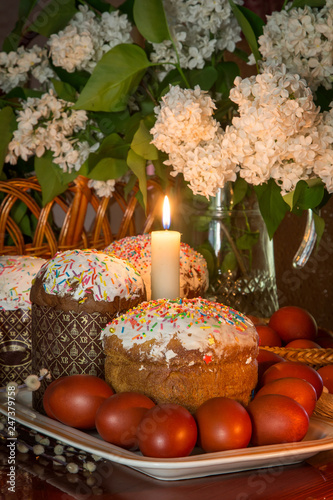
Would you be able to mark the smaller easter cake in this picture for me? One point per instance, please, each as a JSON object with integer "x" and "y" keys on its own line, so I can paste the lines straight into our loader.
{"x": 89, "y": 281}
{"x": 193, "y": 266}
{"x": 16, "y": 276}
{"x": 182, "y": 351}
{"x": 74, "y": 296}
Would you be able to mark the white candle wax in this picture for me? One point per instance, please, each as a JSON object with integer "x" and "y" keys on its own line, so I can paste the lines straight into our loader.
{"x": 165, "y": 255}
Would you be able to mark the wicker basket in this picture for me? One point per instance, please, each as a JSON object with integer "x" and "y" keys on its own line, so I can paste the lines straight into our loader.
{"x": 48, "y": 238}
{"x": 313, "y": 357}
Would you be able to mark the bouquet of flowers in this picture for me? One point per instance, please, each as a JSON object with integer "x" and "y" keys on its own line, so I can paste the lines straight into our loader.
{"x": 114, "y": 89}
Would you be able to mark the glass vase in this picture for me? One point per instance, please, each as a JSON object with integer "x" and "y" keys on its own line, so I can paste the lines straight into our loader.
{"x": 240, "y": 256}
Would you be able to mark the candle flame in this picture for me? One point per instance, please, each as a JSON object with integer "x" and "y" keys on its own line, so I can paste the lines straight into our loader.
{"x": 166, "y": 213}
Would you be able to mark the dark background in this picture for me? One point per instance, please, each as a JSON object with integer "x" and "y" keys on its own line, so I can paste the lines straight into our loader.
{"x": 312, "y": 286}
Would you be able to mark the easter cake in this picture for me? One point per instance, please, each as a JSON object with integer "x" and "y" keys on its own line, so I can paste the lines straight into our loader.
{"x": 16, "y": 275}
{"x": 75, "y": 294}
{"x": 193, "y": 267}
{"x": 183, "y": 351}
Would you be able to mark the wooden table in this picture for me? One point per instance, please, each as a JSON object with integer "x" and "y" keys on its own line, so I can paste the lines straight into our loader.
{"x": 36, "y": 479}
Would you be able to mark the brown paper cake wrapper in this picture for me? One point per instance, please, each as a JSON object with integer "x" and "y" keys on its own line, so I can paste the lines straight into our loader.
{"x": 15, "y": 345}
{"x": 66, "y": 343}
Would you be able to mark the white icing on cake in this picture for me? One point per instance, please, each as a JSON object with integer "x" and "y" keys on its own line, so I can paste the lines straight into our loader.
{"x": 16, "y": 275}
{"x": 137, "y": 250}
{"x": 197, "y": 323}
{"x": 81, "y": 272}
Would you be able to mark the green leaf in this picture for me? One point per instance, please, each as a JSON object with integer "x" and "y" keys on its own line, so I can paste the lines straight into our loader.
{"x": 13, "y": 39}
{"x": 54, "y": 17}
{"x": 108, "y": 168}
{"x": 207, "y": 252}
{"x": 132, "y": 126}
{"x": 306, "y": 196}
{"x": 100, "y": 5}
{"x": 112, "y": 122}
{"x": 18, "y": 211}
{"x": 138, "y": 166}
{"x": 272, "y": 205}
{"x": 25, "y": 226}
{"x": 109, "y": 162}
{"x": 19, "y": 214}
{"x": 240, "y": 188}
{"x": 113, "y": 146}
{"x": 323, "y": 98}
{"x": 172, "y": 78}
{"x": 201, "y": 222}
{"x": 319, "y": 226}
{"x": 127, "y": 8}
{"x": 241, "y": 54}
{"x": 227, "y": 72}
{"x": 250, "y": 29}
{"x": 257, "y": 24}
{"x": 25, "y": 8}
{"x": 161, "y": 170}
{"x": 7, "y": 127}
{"x": 77, "y": 79}
{"x": 150, "y": 19}
{"x": 310, "y": 3}
{"x": 67, "y": 177}
{"x": 141, "y": 143}
{"x": 48, "y": 177}
{"x": 139, "y": 197}
{"x": 205, "y": 77}
{"x": 223, "y": 108}
{"x": 64, "y": 90}
{"x": 114, "y": 78}
{"x": 289, "y": 198}
{"x": 130, "y": 185}
{"x": 247, "y": 241}
{"x": 229, "y": 262}
{"x": 23, "y": 93}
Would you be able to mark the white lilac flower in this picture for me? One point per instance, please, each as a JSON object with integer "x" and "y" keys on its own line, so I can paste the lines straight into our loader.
{"x": 198, "y": 28}
{"x": 277, "y": 133}
{"x": 16, "y": 66}
{"x": 323, "y": 164}
{"x": 186, "y": 130}
{"x": 87, "y": 38}
{"x": 71, "y": 50}
{"x": 50, "y": 124}
{"x": 302, "y": 39}
{"x": 185, "y": 117}
{"x": 103, "y": 188}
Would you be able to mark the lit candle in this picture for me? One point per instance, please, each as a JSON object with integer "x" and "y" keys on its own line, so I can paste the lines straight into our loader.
{"x": 165, "y": 255}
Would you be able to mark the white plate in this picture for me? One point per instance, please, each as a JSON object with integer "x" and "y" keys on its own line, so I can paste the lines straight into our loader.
{"x": 318, "y": 438}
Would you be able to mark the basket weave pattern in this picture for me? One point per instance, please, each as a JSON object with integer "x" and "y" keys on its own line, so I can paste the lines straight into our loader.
{"x": 73, "y": 205}
{"x": 312, "y": 357}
